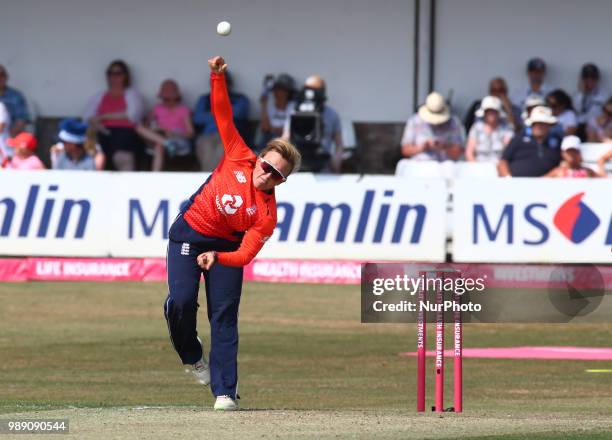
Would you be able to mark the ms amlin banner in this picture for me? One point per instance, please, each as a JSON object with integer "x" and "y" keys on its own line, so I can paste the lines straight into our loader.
{"x": 533, "y": 220}
{"x": 85, "y": 214}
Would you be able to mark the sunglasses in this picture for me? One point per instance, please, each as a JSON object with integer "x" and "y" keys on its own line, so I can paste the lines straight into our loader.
{"x": 115, "y": 73}
{"x": 268, "y": 168}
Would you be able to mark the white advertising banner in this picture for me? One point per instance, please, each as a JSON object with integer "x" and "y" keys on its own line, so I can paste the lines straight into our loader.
{"x": 128, "y": 215}
{"x": 532, "y": 220}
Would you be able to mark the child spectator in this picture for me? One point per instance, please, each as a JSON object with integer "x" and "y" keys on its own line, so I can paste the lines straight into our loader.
{"x": 490, "y": 133}
{"x": 70, "y": 153}
{"x": 170, "y": 128}
{"x": 24, "y": 157}
{"x": 571, "y": 165}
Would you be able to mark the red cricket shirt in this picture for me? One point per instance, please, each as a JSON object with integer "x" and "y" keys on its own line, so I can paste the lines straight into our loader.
{"x": 229, "y": 202}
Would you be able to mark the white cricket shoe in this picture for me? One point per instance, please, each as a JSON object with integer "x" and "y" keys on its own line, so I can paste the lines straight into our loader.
{"x": 200, "y": 369}
{"x": 225, "y": 403}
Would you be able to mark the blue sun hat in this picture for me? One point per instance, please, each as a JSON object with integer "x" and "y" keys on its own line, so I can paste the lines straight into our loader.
{"x": 72, "y": 130}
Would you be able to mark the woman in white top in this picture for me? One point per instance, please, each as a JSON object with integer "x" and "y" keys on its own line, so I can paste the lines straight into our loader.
{"x": 562, "y": 108}
{"x": 489, "y": 134}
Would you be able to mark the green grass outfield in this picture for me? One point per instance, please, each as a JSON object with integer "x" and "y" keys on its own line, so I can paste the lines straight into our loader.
{"x": 99, "y": 354}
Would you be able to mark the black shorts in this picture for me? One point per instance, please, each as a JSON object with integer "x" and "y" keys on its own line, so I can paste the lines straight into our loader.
{"x": 120, "y": 139}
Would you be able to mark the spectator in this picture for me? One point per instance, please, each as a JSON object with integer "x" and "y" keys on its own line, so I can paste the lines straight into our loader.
{"x": 433, "y": 133}
{"x": 70, "y": 152}
{"x": 277, "y": 103}
{"x": 93, "y": 148}
{"x": 170, "y": 128}
{"x": 499, "y": 89}
{"x": 601, "y": 162}
{"x": 563, "y": 109}
{"x": 5, "y": 122}
{"x": 24, "y": 158}
{"x": 531, "y": 102}
{"x": 590, "y": 98}
{"x": 536, "y": 71}
{"x": 331, "y": 138}
{"x": 490, "y": 134}
{"x": 115, "y": 113}
{"x": 209, "y": 148}
{"x": 533, "y": 153}
{"x": 571, "y": 166}
{"x": 15, "y": 104}
{"x": 599, "y": 129}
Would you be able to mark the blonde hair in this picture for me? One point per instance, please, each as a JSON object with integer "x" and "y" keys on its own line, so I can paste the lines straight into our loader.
{"x": 287, "y": 150}
{"x": 91, "y": 140}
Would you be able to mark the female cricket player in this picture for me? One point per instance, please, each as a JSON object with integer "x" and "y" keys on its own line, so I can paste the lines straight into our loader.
{"x": 222, "y": 227}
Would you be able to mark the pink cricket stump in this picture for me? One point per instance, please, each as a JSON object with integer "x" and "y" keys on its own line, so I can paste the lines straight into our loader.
{"x": 421, "y": 338}
{"x": 457, "y": 370}
{"x": 440, "y": 348}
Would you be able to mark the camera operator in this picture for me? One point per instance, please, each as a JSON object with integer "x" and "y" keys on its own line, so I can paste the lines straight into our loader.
{"x": 314, "y": 127}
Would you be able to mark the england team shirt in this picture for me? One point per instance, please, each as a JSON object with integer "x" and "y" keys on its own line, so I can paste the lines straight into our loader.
{"x": 229, "y": 204}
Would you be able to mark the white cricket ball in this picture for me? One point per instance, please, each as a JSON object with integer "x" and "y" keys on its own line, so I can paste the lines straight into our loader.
{"x": 224, "y": 28}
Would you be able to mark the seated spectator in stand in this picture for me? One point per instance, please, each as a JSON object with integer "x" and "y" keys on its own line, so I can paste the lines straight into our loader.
{"x": 15, "y": 104}
{"x": 601, "y": 162}
{"x": 170, "y": 129}
{"x": 70, "y": 153}
{"x": 209, "y": 148}
{"x": 93, "y": 148}
{"x": 489, "y": 134}
{"x": 331, "y": 138}
{"x": 599, "y": 129}
{"x": 533, "y": 154}
{"x": 499, "y": 89}
{"x": 536, "y": 71}
{"x": 531, "y": 103}
{"x": 115, "y": 113}
{"x": 571, "y": 166}
{"x": 5, "y": 123}
{"x": 24, "y": 157}
{"x": 590, "y": 98}
{"x": 277, "y": 103}
{"x": 561, "y": 105}
{"x": 433, "y": 133}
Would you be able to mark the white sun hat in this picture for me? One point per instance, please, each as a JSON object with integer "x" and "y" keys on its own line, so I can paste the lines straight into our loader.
{"x": 570, "y": 142}
{"x": 434, "y": 111}
{"x": 534, "y": 101}
{"x": 541, "y": 114}
{"x": 490, "y": 103}
{"x": 530, "y": 102}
